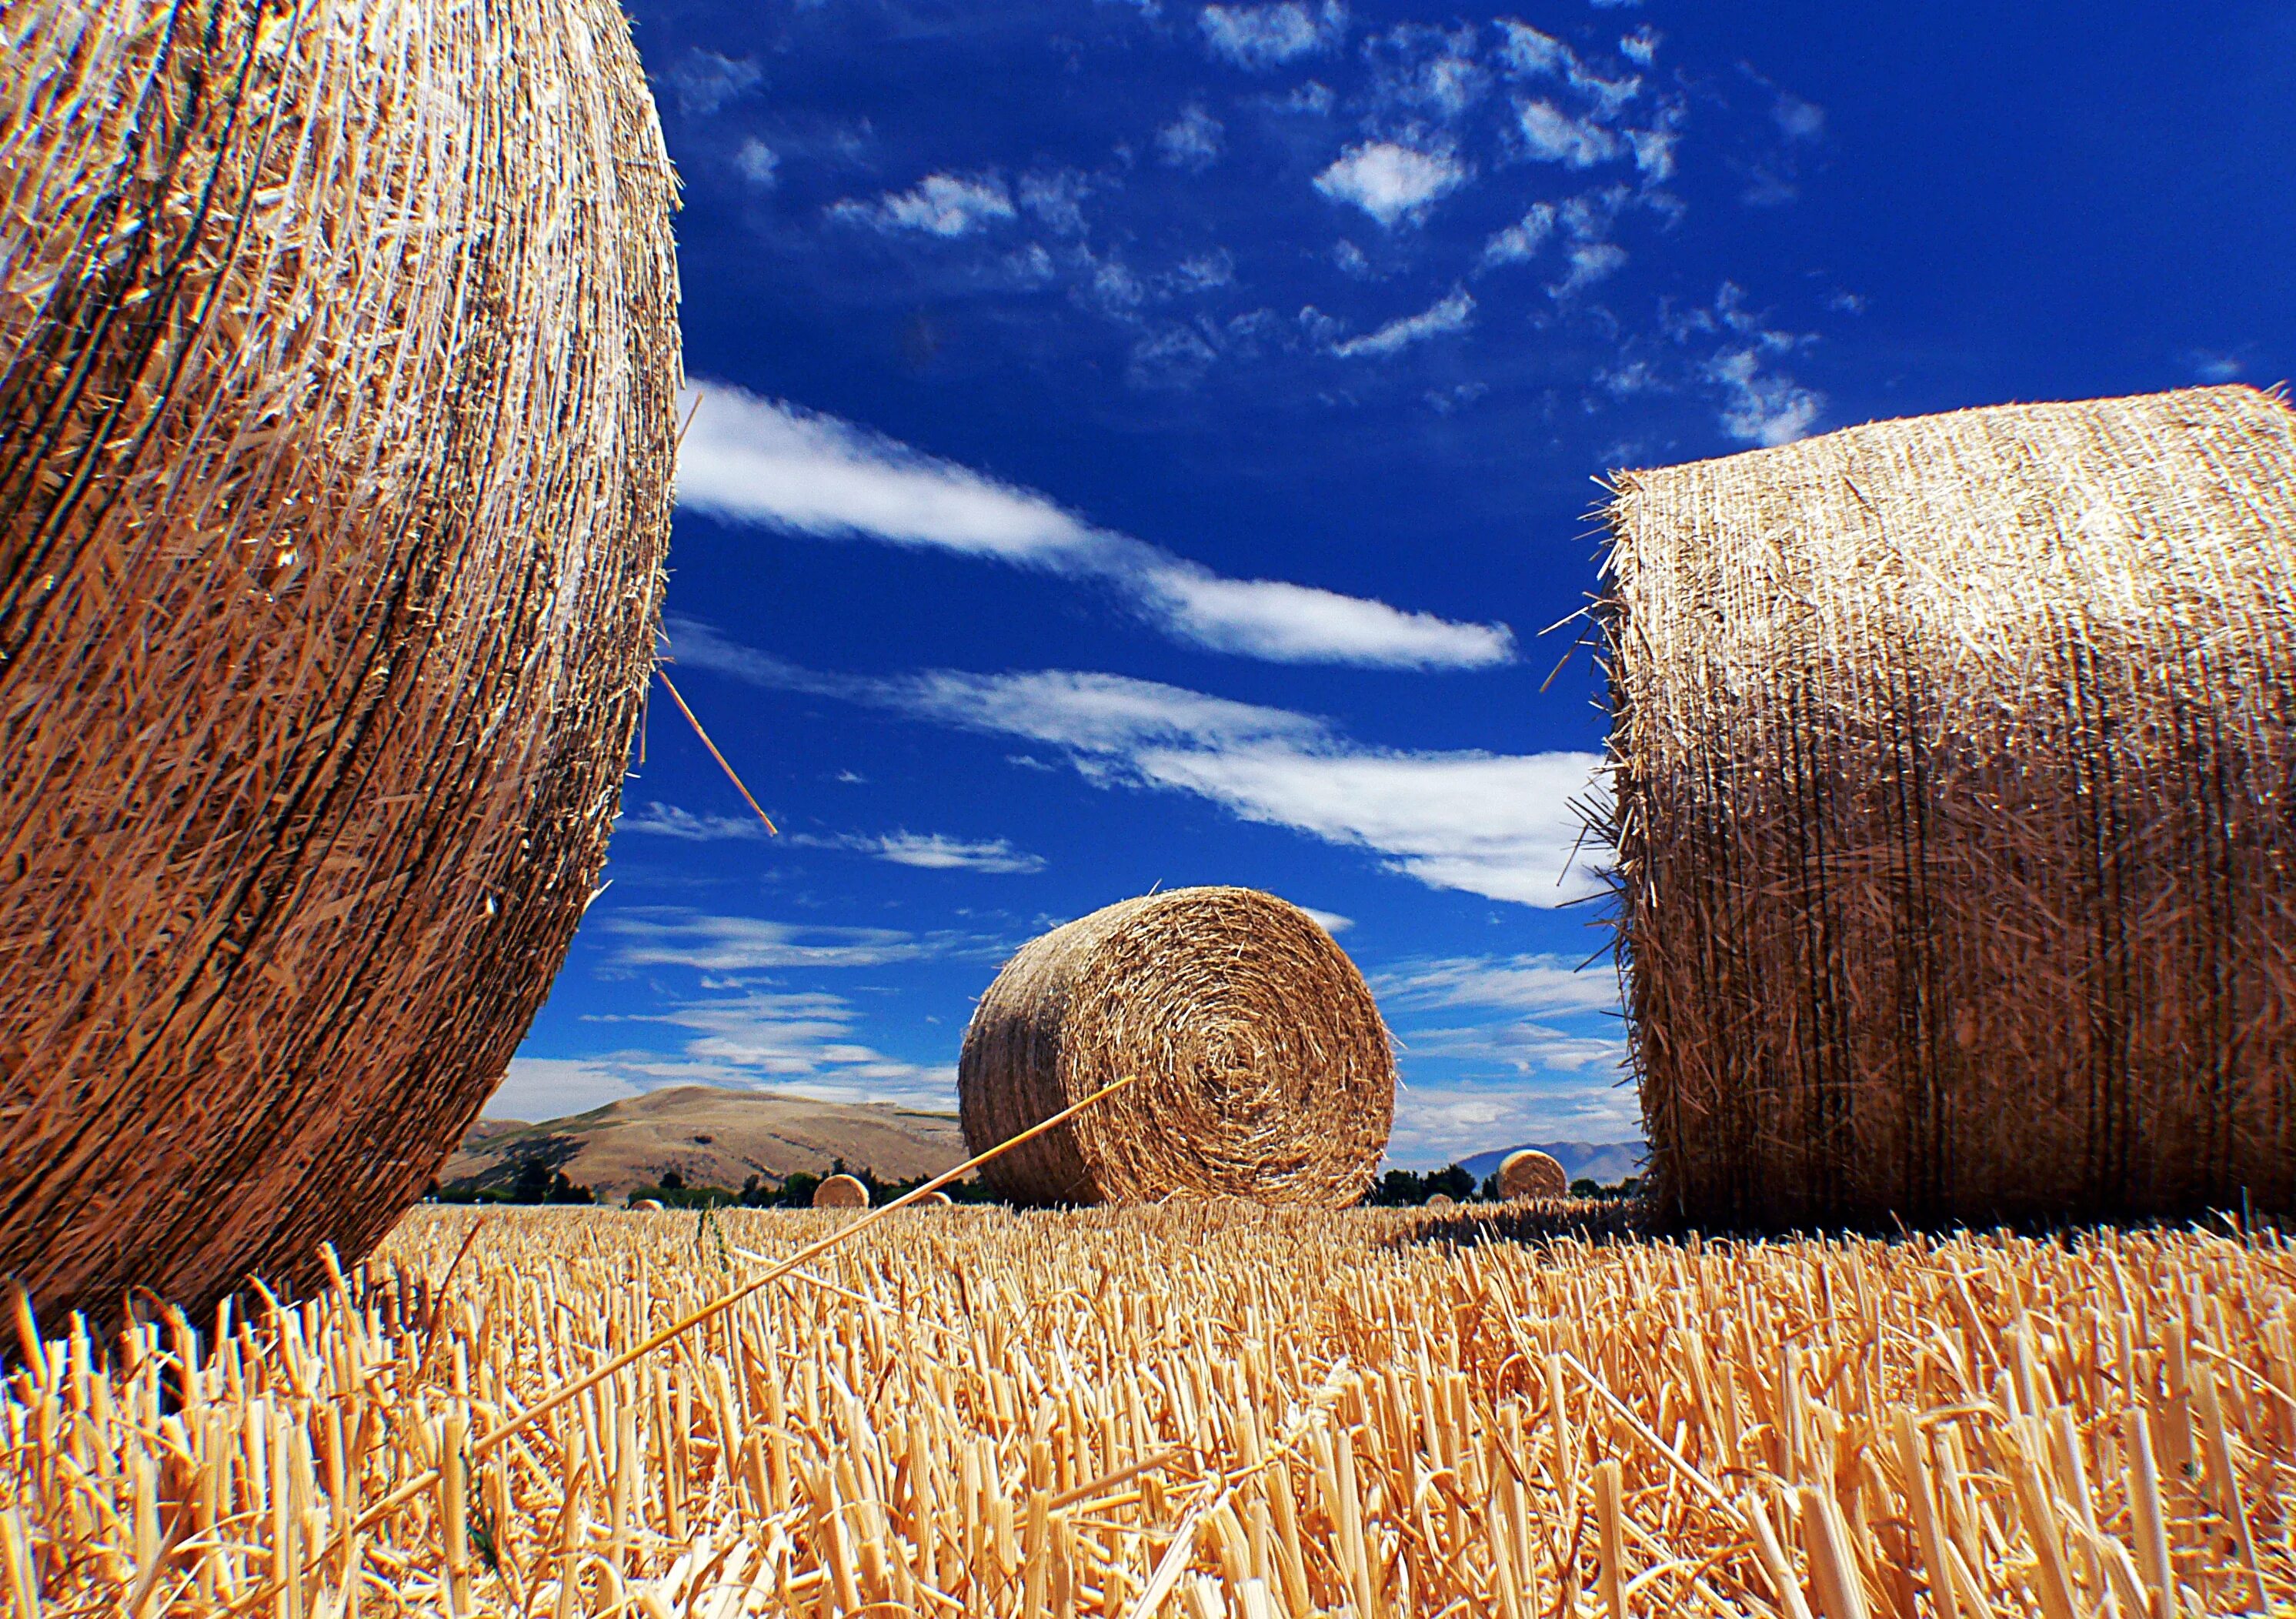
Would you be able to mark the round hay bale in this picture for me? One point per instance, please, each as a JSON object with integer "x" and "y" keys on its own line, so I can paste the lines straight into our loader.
{"x": 337, "y": 380}
{"x": 1441, "y": 1201}
{"x": 936, "y": 1200}
{"x": 646, "y": 1205}
{"x": 1265, "y": 1071}
{"x": 1529, "y": 1172}
{"x": 1955, "y": 842}
{"x": 840, "y": 1192}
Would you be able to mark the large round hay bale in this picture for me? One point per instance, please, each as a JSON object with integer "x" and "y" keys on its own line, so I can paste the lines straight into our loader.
{"x": 1955, "y": 815}
{"x": 338, "y": 371}
{"x": 1265, "y": 1071}
{"x": 840, "y": 1192}
{"x": 1528, "y": 1172}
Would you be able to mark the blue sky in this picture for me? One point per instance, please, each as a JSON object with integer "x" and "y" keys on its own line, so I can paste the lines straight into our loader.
{"x": 1144, "y": 444}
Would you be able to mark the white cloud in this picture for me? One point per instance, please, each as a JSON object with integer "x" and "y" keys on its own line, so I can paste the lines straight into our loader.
{"x": 703, "y": 81}
{"x": 1590, "y": 262}
{"x": 667, "y": 820}
{"x": 1521, "y": 240}
{"x": 535, "y": 1089}
{"x": 1798, "y": 119}
{"x": 766, "y": 462}
{"x": 1540, "y": 985}
{"x": 1178, "y": 357}
{"x": 1351, "y": 260}
{"x": 1499, "y": 826}
{"x": 1191, "y": 140}
{"x": 939, "y": 205}
{"x": 1552, "y": 135}
{"x": 1088, "y": 712}
{"x": 1256, "y": 38}
{"x": 1391, "y": 181}
{"x": 1760, "y": 406}
{"x": 1506, "y": 826}
{"x": 1436, "y": 1125}
{"x": 1312, "y": 98}
{"x": 1654, "y": 152}
{"x": 799, "y": 1044}
{"x": 1428, "y": 71}
{"x": 1300, "y": 624}
{"x": 1056, "y": 198}
{"x": 1529, "y": 53}
{"x": 745, "y": 944}
{"x": 758, "y": 163}
{"x": 1641, "y": 46}
{"x": 2207, "y": 365}
{"x": 1331, "y": 922}
{"x": 1452, "y": 314}
{"x": 932, "y": 851}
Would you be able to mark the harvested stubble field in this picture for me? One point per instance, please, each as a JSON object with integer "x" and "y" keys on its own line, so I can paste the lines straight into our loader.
{"x": 1190, "y": 1411}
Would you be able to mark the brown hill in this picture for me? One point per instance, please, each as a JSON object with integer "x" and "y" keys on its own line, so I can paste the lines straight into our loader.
{"x": 712, "y": 1136}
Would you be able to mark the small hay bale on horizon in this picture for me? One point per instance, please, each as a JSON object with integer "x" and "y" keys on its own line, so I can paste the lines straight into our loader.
{"x": 840, "y": 1192}
{"x": 1529, "y": 1172}
{"x": 1953, "y": 809}
{"x": 1265, "y": 1073}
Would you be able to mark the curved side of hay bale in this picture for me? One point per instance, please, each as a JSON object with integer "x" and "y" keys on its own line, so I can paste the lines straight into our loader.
{"x": 336, "y": 439}
{"x": 1266, "y": 1072}
{"x": 1531, "y": 1173}
{"x": 1954, "y": 820}
{"x": 840, "y": 1192}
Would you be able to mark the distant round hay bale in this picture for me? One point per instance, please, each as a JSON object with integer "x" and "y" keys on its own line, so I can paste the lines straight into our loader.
{"x": 646, "y": 1205}
{"x": 840, "y": 1192}
{"x": 338, "y": 380}
{"x": 1442, "y": 1200}
{"x": 1956, "y": 848}
{"x": 1265, "y": 1071}
{"x": 1529, "y": 1172}
{"x": 936, "y": 1200}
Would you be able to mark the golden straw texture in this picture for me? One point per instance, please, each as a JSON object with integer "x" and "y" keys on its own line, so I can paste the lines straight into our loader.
{"x": 984, "y": 1414}
{"x": 1265, "y": 1072}
{"x": 338, "y": 370}
{"x": 1531, "y": 1173}
{"x": 1953, "y": 815}
{"x": 841, "y": 1192}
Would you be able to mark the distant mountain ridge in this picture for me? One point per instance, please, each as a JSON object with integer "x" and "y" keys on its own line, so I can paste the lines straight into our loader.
{"x": 711, "y": 1136}
{"x": 1608, "y": 1162}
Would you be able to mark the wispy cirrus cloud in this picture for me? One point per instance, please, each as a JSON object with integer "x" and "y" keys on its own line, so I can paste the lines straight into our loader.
{"x": 803, "y": 1043}
{"x": 931, "y": 852}
{"x": 659, "y": 819}
{"x": 671, "y": 937}
{"x": 939, "y": 205}
{"x": 1392, "y": 182}
{"x": 1506, "y": 826}
{"x": 1256, "y": 37}
{"x": 1454, "y": 313}
{"x": 1191, "y": 141}
{"x": 766, "y": 462}
{"x": 1540, "y": 985}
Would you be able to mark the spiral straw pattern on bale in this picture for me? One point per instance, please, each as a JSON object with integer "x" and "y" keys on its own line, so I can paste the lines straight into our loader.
{"x": 1265, "y": 1072}
{"x": 338, "y": 368}
{"x": 1955, "y": 806}
{"x": 1530, "y": 1173}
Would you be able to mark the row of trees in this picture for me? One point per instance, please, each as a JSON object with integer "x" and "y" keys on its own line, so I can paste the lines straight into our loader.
{"x": 538, "y": 1179}
{"x": 1409, "y": 1190}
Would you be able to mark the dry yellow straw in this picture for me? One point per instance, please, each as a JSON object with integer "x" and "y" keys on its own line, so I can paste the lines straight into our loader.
{"x": 548, "y": 1403}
